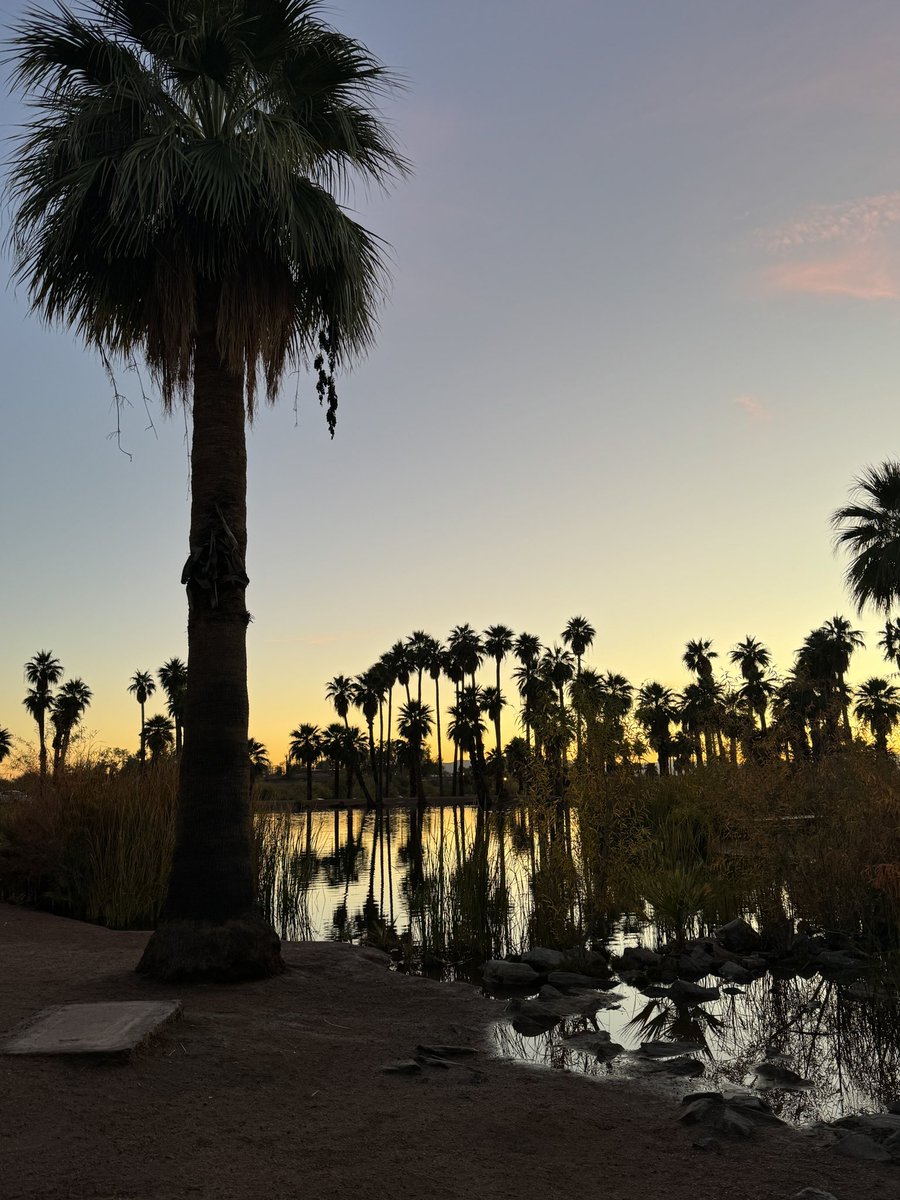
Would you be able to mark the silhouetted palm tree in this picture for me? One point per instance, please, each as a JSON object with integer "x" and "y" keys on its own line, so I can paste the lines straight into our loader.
{"x": 698, "y": 656}
{"x": 366, "y": 691}
{"x": 256, "y": 752}
{"x": 5, "y": 744}
{"x": 42, "y": 673}
{"x": 889, "y": 643}
{"x": 158, "y": 736}
{"x": 340, "y": 691}
{"x": 173, "y": 201}
{"x": 498, "y": 642}
{"x": 465, "y": 648}
{"x": 844, "y": 640}
{"x": 142, "y": 688}
{"x": 414, "y": 726}
{"x": 557, "y": 667}
{"x": 869, "y": 529}
{"x": 527, "y": 649}
{"x": 578, "y": 636}
{"x": 68, "y": 707}
{"x": 436, "y": 664}
{"x": 419, "y": 647}
{"x": 656, "y": 710}
{"x": 172, "y": 677}
{"x": 306, "y": 747}
{"x": 878, "y": 706}
{"x": 334, "y": 749}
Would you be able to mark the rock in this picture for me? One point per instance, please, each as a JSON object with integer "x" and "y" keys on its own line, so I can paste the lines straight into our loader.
{"x": 838, "y": 960}
{"x": 738, "y": 936}
{"x": 776, "y": 1075}
{"x": 408, "y": 1067}
{"x": 501, "y": 973}
{"x": 543, "y": 959}
{"x": 654, "y": 991}
{"x": 682, "y": 993}
{"x": 588, "y": 1043}
{"x": 859, "y": 1146}
{"x": 734, "y": 973}
{"x": 698, "y": 962}
{"x": 429, "y": 1060}
{"x": 709, "y": 1145}
{"x": 876, "y": 1125}
{"x": 593, "y": 958}
{"x": 549, "y": 992}
{"x": 894, "y": 1106}
{"x": 755, "y": 962}
{"x": 711, "y": 1109}
{"x": 636, "y": 957}
{"x": 812, "y": 1193}
{"x": 571, "y": 979}
{"x": 669, "y": 1049}
{"x": 533, "y": 1024}
{"x": 689, "y": 1068}
{"x": 731, "y": 990}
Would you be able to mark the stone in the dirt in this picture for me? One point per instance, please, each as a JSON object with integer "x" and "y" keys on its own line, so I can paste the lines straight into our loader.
{"x": 669, "y": 1049}
{"x": 407, "y": 1067}
{"x": 447, "y": 1051}
{"x": 543, "y": 959}
{"x": 549, "y": 992}
{"x": 638, "y": 957}
{"x": 690, "y": 1068}
{"x": 682, "y": 992}
{"x": 588, "y": 1042}
{"x": 731, "y": 990}
{"x": 571, "y": 979}
{"x": 115, "y": 1027}
{"x": 508, "y": 974}
{"x": 777, "y": 1075}
{"x": 698, "y": 962}
{"x": 712, "y": 1110}
{"x": 709, "y": 1145}
{"x": 738, "y": 936}
{"x": 429, "y": 1060}
{"x": 654, "y": 991}
{"x": 859, "y": 1146}
{"x": 735, "y": 973}
{"x": 876, "y": 1125}
{"x": 533, "y": 1024}
{"x": 812, "y": 1193}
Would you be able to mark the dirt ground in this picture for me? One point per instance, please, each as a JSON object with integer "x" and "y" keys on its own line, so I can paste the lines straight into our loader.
{"x": 276, "y": 1090}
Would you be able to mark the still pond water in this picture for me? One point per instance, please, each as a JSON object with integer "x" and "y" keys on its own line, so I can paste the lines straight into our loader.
{"x": 400, "y": 881}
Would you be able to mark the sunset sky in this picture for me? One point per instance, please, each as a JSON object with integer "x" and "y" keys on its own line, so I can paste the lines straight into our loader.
{"x": 644, "y": 331}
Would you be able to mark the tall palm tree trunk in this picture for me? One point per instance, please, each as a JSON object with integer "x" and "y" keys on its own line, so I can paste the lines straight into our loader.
{"x": 211, "y": 926}
{"x": 437, "y": 720}
{"x": 499, "y": 765}
{"x": 309, "y": 785}
{"x": 387, "y": 779}
{"x": 143, "y": 733}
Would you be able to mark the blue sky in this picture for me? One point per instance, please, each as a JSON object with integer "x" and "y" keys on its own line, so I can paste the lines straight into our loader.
{"x": 643, "y": 332}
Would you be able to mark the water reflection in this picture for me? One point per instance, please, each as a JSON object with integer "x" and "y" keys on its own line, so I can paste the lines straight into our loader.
{"x": 444, "y": 888}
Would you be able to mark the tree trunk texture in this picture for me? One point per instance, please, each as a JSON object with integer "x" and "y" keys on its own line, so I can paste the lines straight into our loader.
{"x": 211, "y": 925}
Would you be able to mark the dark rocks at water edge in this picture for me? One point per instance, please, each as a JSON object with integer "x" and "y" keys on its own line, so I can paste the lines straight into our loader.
{"x": 735, "y": 1112}
{"x": 738, "y": 936}
{"x": 772, "y": 1075}
{"x": 684, "y": 993}
{"x": 541, "y": 965}
{"x": 684, "y": 1067}
{"x": 669, "y": 1049}
{"x": 501, "y": 973}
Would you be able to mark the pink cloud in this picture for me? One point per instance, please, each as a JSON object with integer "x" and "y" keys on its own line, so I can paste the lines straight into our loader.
{"x": 854, "y": 221}
{"x": 754, "y": 408}
{"x": 858, "y": 276}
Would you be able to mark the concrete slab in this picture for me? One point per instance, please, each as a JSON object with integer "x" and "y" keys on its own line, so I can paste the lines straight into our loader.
{"x": 107, "y": 1028}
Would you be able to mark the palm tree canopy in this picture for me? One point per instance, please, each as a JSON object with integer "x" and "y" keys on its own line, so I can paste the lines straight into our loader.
{"x": 697, "y": 657}
{"x": 43, "y": 671}
{"x": 258, "y": 754}
{"x": 751, "y": 656}
{"x": 172, "y": 677}
{"x": 159, "y": 735}
{"x": 578, "y": 635}
{"x": 889, "y": 642}
{"x": 415, "y": 722}
{"x": 5, "y": 744}
{"x": 178, "y": 145}
{"x": 557, "y": 666}
{"x": 340, "y": 692}
{"x": 142, "y": 686}
{"x": 498, "y": 641}
{"x": 869, "y": 530}
{"x": 306, "y": 744}
{"x": 527, "y": 648}
{"x": 878, "y": 705}
{"x": 466, "y": 648}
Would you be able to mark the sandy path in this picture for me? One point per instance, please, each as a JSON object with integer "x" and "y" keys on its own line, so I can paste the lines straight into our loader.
{"x": 275, "y": 1090}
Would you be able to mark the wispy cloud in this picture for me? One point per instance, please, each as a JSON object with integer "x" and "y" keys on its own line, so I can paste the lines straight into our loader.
{"x": 850, "y": 250}
{"x": 855, "y": 275}
{"x": 754, "y": 408}
{"x": 854, "y": 221}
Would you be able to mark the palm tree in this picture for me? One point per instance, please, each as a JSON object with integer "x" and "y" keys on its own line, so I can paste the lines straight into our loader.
{"x": 366, "y": 692}
{"x": 414, "y": 726}
{"x": 256, "y": 752}
{"x": 889, "y": 642}
{"x": 558, "y": 668}
{"x": 388, "y": 666}
{"x": 334, "y": 749}
{"x": 844, "y": 640}
{"x": 174, "y": 200}
{"x": 419, "y": 648}
{"x": 579, "y": 636}
{"x": 656, "y": 710}
{"x": 465, "y": 646}
{"x": 159, "y": 736}
{"x": 340, "y": 691}
{"x": 5, "y": 744}
{"x": 466, "y": 728}
{"x": 435, "y": 668}
{"x": 172, "y": 677}
{"x": 697, "y": 657}
{"x": 869, "y": 529}
{"x": 527, "y": 649}
{"x": 142, "y": 688}
{"x": 878, "y": 706}
{"x": 753, "y": 659}
{"x": 68, "y": 707}
{"x": 306, "y": 747}
{"x": 402, "y": 665}
{"x": 42, "y": 673}
{"x": 498, "y": 642}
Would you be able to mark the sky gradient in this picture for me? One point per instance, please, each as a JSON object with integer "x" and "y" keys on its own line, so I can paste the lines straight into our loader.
{"x": 643, "y": 333}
